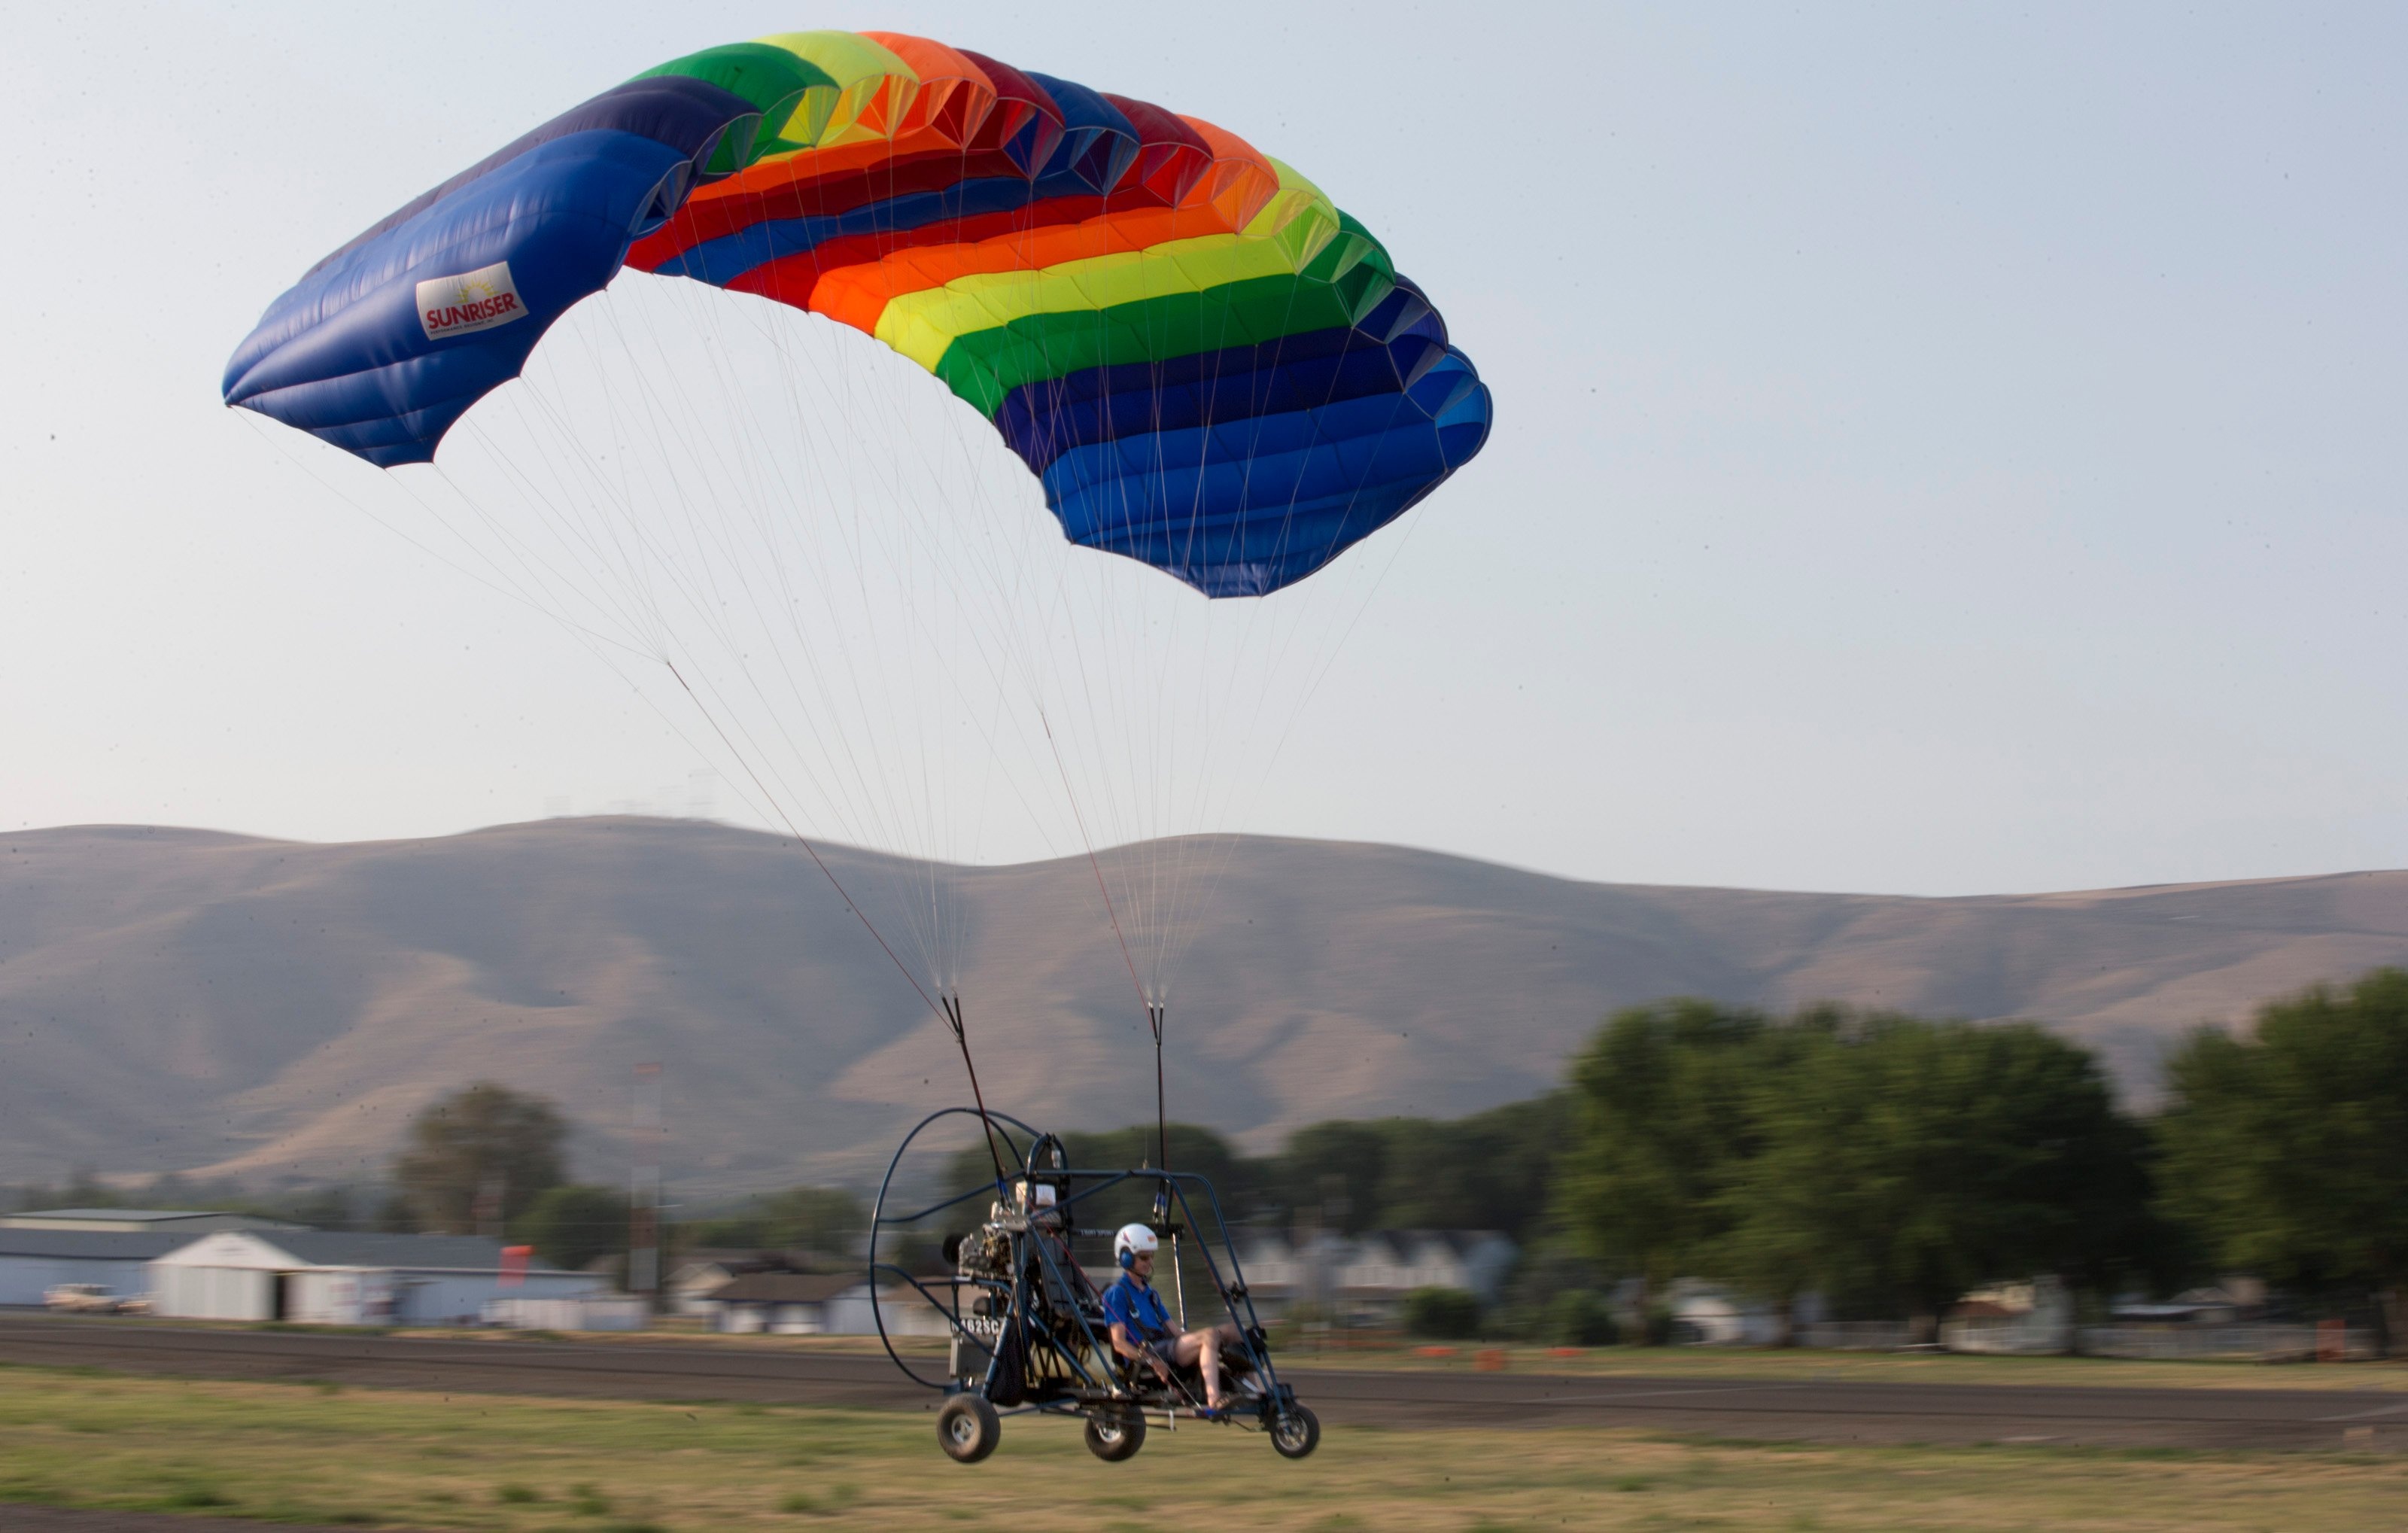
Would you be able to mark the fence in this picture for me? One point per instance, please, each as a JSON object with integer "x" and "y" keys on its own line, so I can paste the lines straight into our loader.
{"x": 1857, "y": 1335}
{"x": 2014, "y": 1336}
{"x": 2330, "y": 1343}
{"x": 593, "y": 1312}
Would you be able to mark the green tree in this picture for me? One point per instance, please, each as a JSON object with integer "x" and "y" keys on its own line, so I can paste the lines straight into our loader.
{"x": 1663, "y": 1107}
{"x": 1193, "y": 1147}
{"x": 480, "y": 1155}
{"x": 825, "y": 1221}
{"x": 1333, "y": 1173}
{"x": 1772, "y": 1228}
{"x": 1492, "y": 1170}
{"x": 820, "y": 1221}
{"x": 2287, "y": 1149}
{"x": 570, "y": 1226}
{"x": 395, "y": 1215}
{"x": 1897, "y": 1162}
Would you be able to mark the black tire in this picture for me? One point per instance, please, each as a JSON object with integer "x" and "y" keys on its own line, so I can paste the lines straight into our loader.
{"x": 968, "y": 1428}
{"x": 1116, "y": 1435}
{"x": 1296, "y": 1432}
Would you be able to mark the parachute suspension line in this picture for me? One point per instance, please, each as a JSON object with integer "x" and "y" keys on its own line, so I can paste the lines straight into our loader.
{"x": 834, "y": 882}
{"x": 1097, "y": 868}
{"x": 1153, "y": 1010}
{"x": 951, "y": 1008}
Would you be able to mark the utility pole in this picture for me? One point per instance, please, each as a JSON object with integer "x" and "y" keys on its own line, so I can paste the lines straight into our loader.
{"x": 644, "y": 1193}
{"x": 493, "y": 1191}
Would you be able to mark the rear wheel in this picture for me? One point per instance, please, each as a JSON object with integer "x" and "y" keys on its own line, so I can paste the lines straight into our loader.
{"x": 1296, "y": 1432}
{"x": 969, "y": 1428}
{"x": 1115, "y": 1435}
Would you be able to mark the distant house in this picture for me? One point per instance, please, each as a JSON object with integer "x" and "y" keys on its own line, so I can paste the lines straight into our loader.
{"x": 819, "y": 1304}
{"x": 1284, "y": 1269}
{"x": 702, "y": 1270}
{"x": 784, "y": 1303}
{"x": 329, "y": 1277}
{"x": 1386, "y": 1265}
{"x": 689, "y": 1289}
{"x": 1366, "y": 1278}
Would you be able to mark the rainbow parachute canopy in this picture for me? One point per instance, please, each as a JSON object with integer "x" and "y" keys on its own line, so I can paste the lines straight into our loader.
{"x": 1209, "y": 367}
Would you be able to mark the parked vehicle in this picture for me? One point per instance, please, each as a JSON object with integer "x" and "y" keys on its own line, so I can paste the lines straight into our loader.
{"x": 92, "y": 1298}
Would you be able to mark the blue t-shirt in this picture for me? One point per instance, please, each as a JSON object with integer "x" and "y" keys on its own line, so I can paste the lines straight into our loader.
{"x": 1136, "y": 1305}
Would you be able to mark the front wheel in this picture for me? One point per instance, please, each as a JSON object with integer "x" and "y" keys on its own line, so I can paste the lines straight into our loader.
{"x": 1115, "y": 1435}
{"x": 1296, "y": 1432}
{"x": 969, "y": 1428}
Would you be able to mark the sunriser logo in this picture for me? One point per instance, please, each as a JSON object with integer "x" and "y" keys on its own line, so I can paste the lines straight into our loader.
{"x": 472, "y": 301}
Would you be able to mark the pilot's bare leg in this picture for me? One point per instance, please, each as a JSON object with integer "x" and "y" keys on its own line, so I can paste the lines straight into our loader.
{"x": 1207, "y": 1356}
{"x": 1203, "y": 1348}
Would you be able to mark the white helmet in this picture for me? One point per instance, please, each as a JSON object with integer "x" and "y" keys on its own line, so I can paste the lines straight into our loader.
{"x": 1134, "y": 1240}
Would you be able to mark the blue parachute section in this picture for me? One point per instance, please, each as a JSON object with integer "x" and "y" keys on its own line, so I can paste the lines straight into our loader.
{"x": 351, "y": 356}
{"x": 1245, "y": 469}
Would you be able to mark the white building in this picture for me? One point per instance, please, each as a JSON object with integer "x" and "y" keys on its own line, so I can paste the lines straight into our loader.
{"x": 1367, "y": 1277}
{"x": 328, "y": 1278}
{"x": 576, "y": 1312}
{"x": 35, "y": 1260}
{"x": 113, "y": 1247}
{"x": 185, "y": 1223}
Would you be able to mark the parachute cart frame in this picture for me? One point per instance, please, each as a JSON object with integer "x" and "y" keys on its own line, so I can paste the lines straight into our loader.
{"x": 1026, "y": 1323}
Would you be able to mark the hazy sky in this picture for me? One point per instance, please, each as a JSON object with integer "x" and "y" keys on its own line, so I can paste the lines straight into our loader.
{"x": 1938, "y": 450}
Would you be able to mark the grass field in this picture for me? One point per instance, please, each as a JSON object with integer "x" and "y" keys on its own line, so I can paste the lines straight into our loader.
{"x": 307, "y": 1452}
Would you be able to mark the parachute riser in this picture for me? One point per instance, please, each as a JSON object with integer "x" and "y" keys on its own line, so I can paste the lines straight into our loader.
{"x": 1153, "y": 1020}
{"x": 950, "y": 1004}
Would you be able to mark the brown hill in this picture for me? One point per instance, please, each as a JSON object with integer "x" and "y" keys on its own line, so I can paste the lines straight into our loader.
{"x": 188, "y": 1000}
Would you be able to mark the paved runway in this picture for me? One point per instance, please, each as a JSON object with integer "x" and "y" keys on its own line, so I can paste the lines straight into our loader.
{"x": 1832, "y": 1411}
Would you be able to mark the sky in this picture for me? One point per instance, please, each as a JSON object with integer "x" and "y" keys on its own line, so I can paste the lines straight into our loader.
{"x": 1939, "y": 450}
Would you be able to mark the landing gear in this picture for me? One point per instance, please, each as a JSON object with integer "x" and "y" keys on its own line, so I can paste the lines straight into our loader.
{"x": 969, "y": 1428}
{"x": 1116, "y": 1435}
{"x": 1296, "y": 1431}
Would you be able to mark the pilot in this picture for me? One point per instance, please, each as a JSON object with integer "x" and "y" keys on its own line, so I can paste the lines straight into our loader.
{"x": 1143, "y": 1330}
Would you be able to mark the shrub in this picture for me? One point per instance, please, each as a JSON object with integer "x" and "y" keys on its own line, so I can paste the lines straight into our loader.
{"x": 1444, "y": 1314}
{"x": 1580, "y": 1318}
